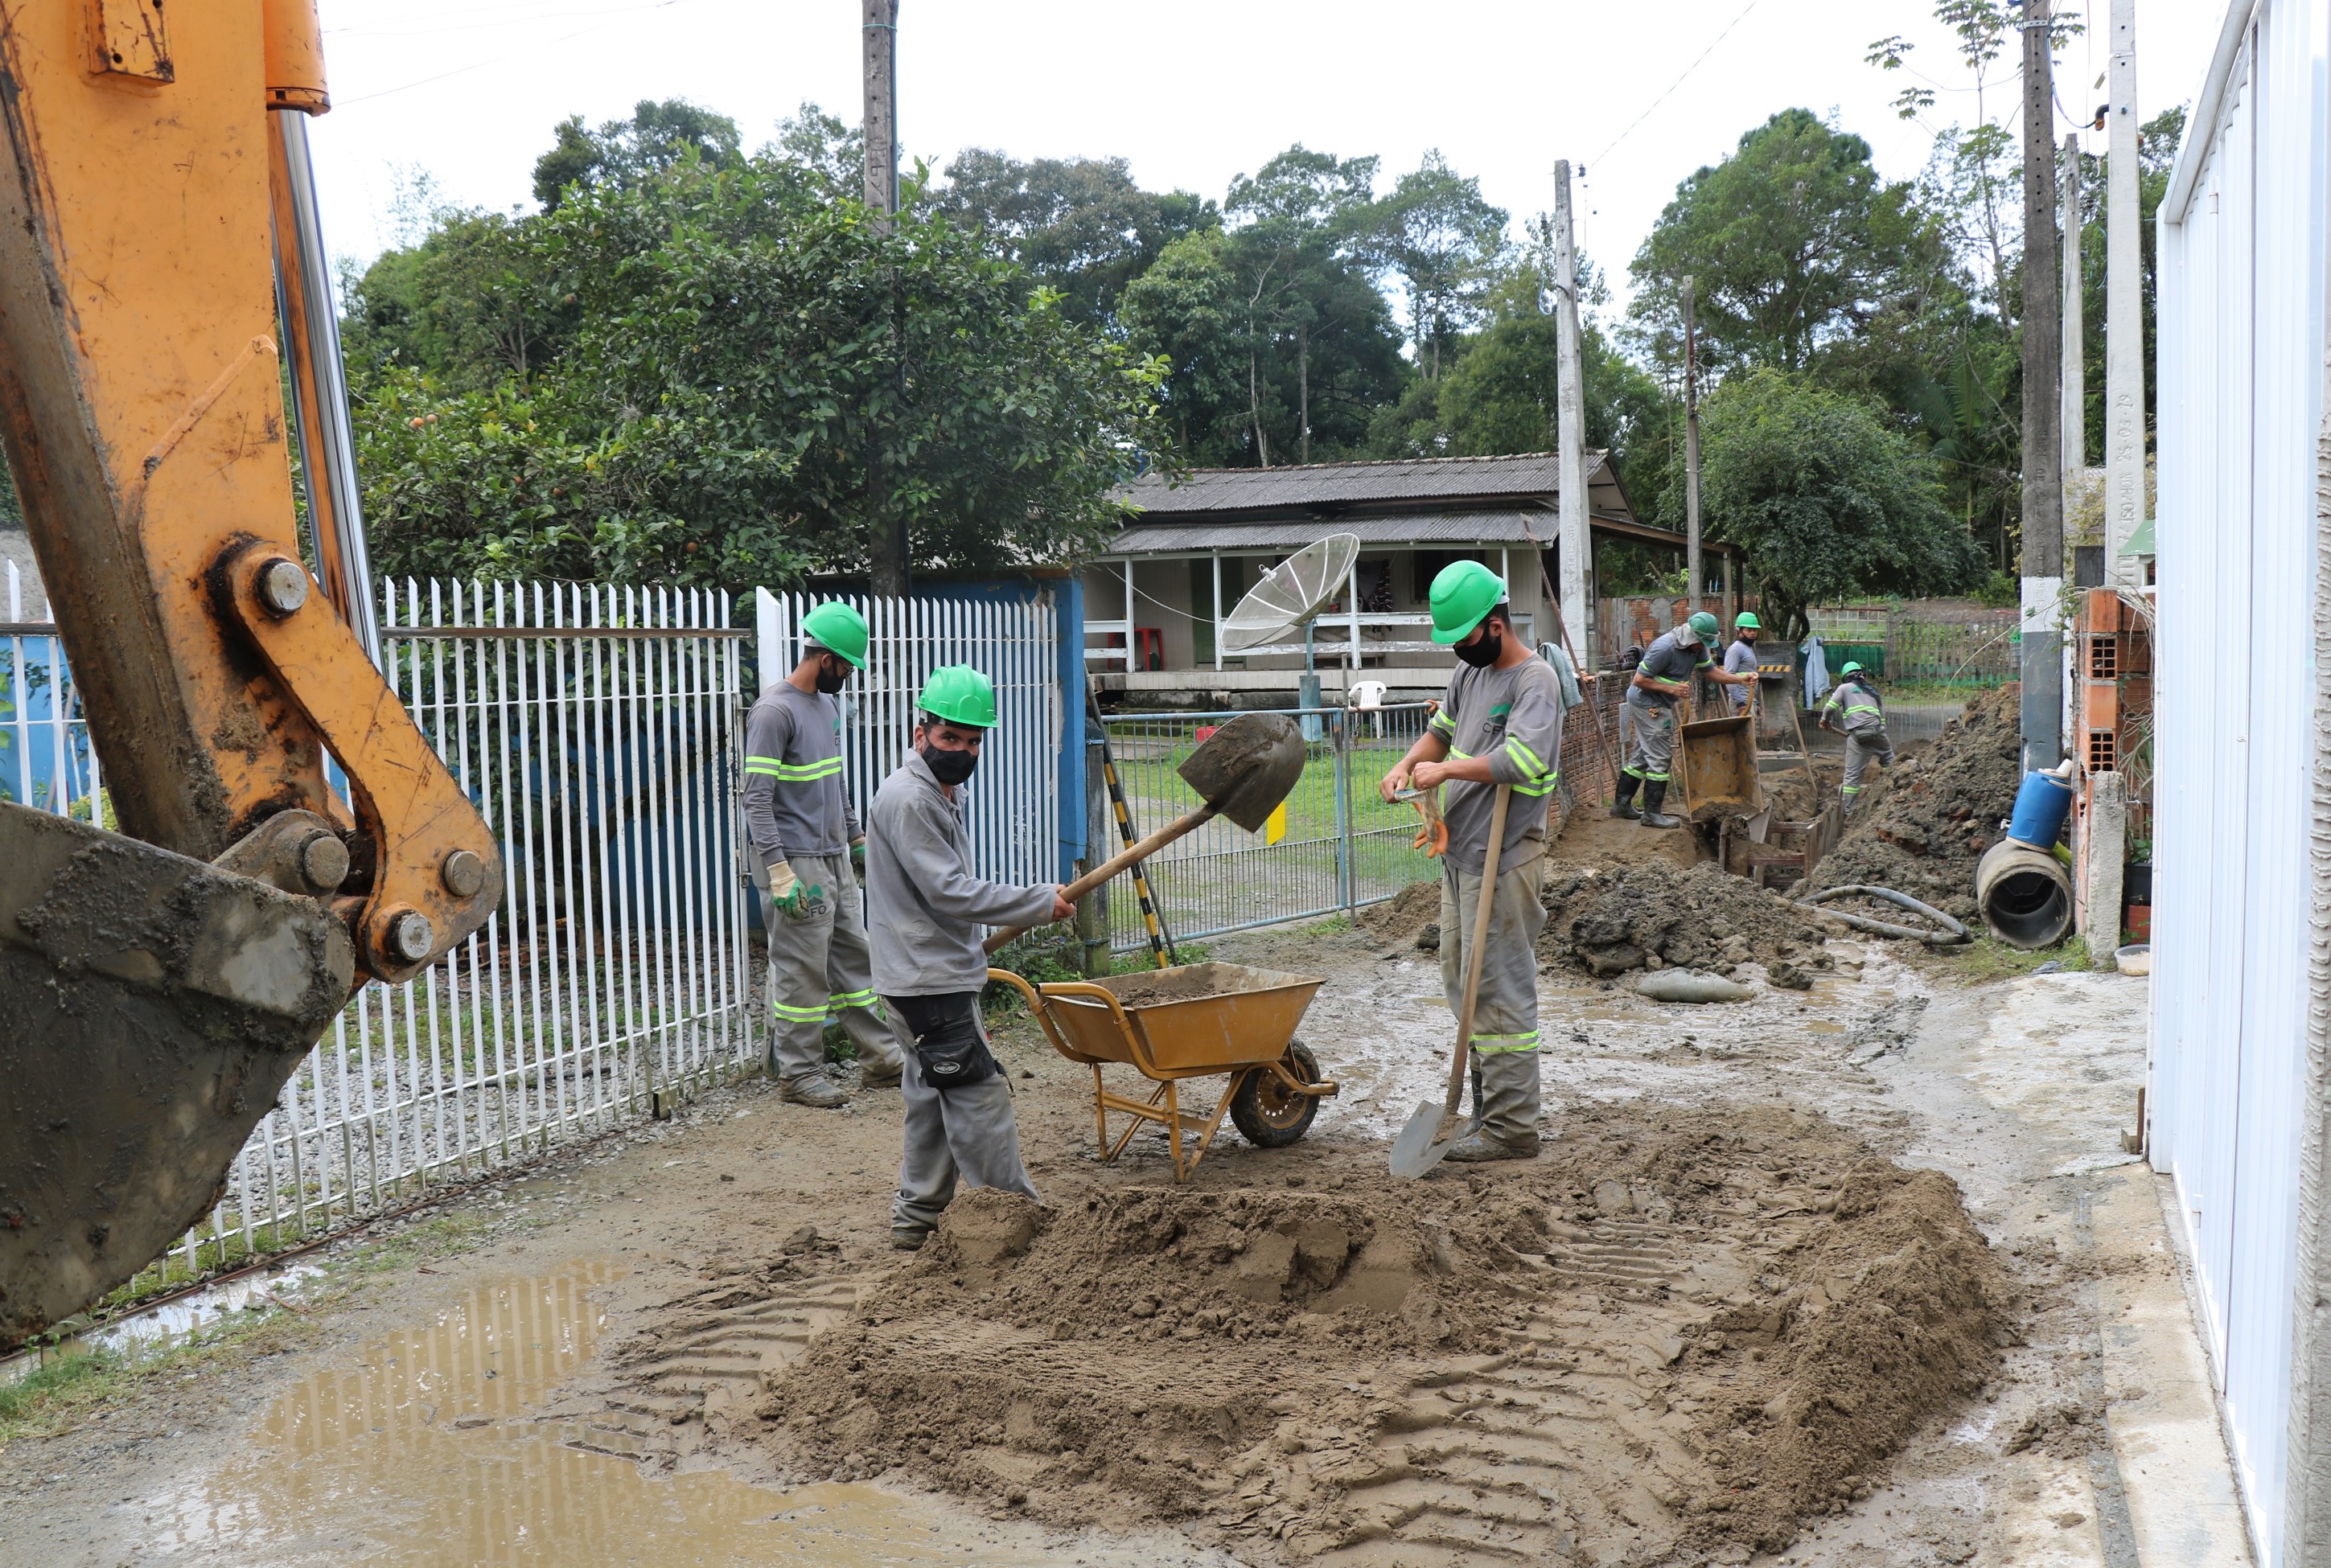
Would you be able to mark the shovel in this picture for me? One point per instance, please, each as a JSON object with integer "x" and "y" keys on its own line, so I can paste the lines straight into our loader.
{"x": 1242, "y": 772}
{"x": 1415, "y": 1151}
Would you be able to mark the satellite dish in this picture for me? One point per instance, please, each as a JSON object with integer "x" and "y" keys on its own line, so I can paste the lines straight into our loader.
{"x": 1291, "y": 592}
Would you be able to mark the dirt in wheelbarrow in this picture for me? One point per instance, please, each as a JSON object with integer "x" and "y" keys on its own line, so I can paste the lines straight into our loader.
{"x": 1671, "y": 1339}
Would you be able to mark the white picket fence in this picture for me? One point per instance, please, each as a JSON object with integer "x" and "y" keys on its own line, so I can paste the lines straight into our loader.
{"x": 1013, "y": 802}
{"x": 598, "y": 729}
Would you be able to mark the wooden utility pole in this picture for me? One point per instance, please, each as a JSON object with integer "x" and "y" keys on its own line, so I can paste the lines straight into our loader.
{"x": 887, "y": 534}
{"x": 1692, "y": 577}
{"x": 2125, "y": 507}
{"x": 2072, "y": 421}
{"x": 1570, "y": 399}
{"x": 2041, "y": 715}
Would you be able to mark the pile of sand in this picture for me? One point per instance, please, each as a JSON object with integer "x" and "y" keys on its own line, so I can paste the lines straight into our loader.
{"x": 1607, "y": 922}
{"x": 1733, "y": 1316}
{"x": 1942, "y": 812}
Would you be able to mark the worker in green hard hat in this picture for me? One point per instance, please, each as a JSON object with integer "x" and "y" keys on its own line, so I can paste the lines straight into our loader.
{"x": 809, "y": 851}
{"x": 1860, "y": 714}
{"x": 1664, "y": 675}
{"x": 1500, "y": 723}
{"x": 1740, "y": 658}
{"x": 931, "y": 915}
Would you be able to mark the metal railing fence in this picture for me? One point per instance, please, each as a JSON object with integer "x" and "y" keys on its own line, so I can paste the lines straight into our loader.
{"x": 1343, "y": 846}
{"x": 45, "y": 757}
{"x": 597, "y": 727}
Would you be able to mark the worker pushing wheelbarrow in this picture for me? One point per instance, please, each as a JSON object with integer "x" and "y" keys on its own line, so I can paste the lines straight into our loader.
{"x": 1197, "y": 1020}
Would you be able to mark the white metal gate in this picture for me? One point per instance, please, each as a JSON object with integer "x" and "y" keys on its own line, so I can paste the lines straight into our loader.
{"x": 1013, "y": 800}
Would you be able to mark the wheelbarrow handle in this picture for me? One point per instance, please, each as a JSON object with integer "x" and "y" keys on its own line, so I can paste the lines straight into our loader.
{"x": 1041, "y": 1002}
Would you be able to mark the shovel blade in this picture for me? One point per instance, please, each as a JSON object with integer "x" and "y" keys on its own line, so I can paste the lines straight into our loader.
{"x": 1247, "y": 767}
{"x": 1414, "y": 1153}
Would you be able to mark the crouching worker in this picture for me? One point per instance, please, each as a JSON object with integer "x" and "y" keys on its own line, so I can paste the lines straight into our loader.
{"x": 807, "y": 838}
{"x": 929, "y": 915}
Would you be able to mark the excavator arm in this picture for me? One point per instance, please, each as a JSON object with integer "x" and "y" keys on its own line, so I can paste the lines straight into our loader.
{"x": 160, "y": 291}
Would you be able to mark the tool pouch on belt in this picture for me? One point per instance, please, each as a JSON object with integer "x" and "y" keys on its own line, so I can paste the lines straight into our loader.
{"x": 949, "y": 1046}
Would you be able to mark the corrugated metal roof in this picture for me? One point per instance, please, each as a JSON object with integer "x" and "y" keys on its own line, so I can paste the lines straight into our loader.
{"x": 1512, "y": 527}
{"x": 1339, "y": 484}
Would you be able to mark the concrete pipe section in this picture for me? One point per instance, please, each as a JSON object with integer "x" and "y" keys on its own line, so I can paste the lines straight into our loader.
{"x": 2025, "y": 896}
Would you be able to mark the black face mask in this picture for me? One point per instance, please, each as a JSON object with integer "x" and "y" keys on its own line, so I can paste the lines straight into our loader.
{"x": 830, "y": 681}
{"x": 1482, "y": 653}
{"x": 949, "y": 767}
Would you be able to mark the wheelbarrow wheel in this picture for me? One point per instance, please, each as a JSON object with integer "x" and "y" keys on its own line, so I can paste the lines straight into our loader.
{"x": 1266, "y": 1112}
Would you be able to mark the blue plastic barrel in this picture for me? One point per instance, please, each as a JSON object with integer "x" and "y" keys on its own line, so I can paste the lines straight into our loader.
{"x": 2041, "y": 808}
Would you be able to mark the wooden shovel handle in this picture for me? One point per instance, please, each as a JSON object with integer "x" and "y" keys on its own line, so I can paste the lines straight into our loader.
{"x": 1140, "y": 851}
{"x": 1464, "y": 1052}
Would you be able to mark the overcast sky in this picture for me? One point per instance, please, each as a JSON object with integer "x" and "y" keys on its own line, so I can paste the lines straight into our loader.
{"x": 1191, "y": 93}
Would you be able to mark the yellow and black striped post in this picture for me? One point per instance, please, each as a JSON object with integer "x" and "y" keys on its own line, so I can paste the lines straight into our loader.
{"x": 1161, "y": 941}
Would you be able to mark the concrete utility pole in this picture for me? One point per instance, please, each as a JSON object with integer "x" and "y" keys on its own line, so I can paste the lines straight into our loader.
{"x": 1571, "y": 421}
{"x": 1691, "y": 453}
{"x": 2125, "y": 507}
{"x": 2042, "y": 709}
{"x": 2073, "y": 422}
{"x": 888, "y": 545}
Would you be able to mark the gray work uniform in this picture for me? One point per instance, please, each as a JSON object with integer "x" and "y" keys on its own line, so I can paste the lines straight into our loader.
{"x": 1513, "y": 717}
{"x": 796, "y": 811}
{"x": 929, "y": 915}
{"x": 1864, "y": 723}
{"x": 1651, "y": 715}
{"x": 1740, "y": 658}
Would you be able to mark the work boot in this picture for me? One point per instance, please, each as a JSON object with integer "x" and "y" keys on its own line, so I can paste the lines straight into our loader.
{"x": 907, "y": 1239}
{"x": 1623, "y": 805}
{"x": 1476, "y": 1146}
{"x": 1655, "y": 796}
{"x": 877, "y": 1072}
{"x": 814, "y": 1089}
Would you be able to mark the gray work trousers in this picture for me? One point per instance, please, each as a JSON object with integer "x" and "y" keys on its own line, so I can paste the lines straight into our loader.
{"x": 1860, "y": 746}
{"x": 1505, "y": 1013}
{"x": 1650, "y": 740}
{"x": 966, "y": 1135}
{"x": 820, "y": 967}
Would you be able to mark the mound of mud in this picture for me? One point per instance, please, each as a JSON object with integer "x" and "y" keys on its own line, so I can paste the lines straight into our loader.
{"x": 1680, "y": 1331}
{"x": 1399, "y": 918}
{"x": 1942, "y": 812}
{"x": 1606, "y": 923}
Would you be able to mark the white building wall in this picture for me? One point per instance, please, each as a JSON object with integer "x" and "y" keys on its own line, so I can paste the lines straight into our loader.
{"x": 2241, "y": 378}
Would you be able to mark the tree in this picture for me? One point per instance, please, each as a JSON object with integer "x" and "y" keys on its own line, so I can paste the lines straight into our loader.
{"x": 749, "y": 361}
{"x": 1828, "y": 501}
{"x": 1444, "y": 240}
{"x": 1793, "y": 241}
{"x": 1080, "y": 226}
{"x": 656, "y": 137}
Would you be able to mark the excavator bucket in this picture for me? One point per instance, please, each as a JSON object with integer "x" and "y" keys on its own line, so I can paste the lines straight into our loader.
{"x": 151, "y": 1008}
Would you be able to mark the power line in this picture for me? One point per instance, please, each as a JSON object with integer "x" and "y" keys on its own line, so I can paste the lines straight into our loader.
{"x": 1679, "y": 81}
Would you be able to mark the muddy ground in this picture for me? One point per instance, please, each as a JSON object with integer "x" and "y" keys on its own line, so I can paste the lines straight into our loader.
{"x": 1816, "y": 1277}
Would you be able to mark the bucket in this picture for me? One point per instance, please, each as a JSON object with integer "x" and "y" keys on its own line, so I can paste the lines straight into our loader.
{"x": 2041, "y": 808}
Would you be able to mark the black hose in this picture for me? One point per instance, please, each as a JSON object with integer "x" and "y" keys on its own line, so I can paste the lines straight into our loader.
{"x": 1952, "y": 931}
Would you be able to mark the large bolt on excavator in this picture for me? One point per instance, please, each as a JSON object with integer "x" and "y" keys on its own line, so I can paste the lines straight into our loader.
{"x": 163, "y": 284}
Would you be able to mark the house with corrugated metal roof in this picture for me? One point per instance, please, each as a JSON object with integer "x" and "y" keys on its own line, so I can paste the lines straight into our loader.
{"x": 1154, "y": 604}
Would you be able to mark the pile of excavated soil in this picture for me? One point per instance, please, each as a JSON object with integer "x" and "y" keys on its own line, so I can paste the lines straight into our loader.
{"x": 1679, "y": 1331}
{"x": 1653, "y": 916}
{"x": 1942, "y": 812}
{"x": 1403, "y": 917}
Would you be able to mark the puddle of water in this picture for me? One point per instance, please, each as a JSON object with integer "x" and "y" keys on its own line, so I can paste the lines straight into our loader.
{"x": 158, "y": 1327}
{"x": 1818, "y": 1025}
{"x": 425, "y": 1449}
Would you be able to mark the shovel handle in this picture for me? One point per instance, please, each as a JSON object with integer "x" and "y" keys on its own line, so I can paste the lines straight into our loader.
{"x": 1110, "y": 868}
{"x": 1482, "y": 906}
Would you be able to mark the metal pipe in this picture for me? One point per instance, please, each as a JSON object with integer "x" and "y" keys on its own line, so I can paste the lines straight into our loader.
{"x": 320, "y": 391}
{"x": 2024, "y": 894}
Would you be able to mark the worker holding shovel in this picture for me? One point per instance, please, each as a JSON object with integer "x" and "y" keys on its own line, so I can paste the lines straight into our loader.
{"x": 1500, "y": 724}
{"x": 929, "y": 915}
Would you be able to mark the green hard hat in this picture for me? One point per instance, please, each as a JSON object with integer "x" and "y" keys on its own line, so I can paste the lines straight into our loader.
{"x": 836, "y": 627}
{"x": 1851, "y": 667}
{"x": 960, "y": 695}
{"x": 1705, "y": 626}
{"x": 1463, "y": 593}
{"x": 1747, "y": 621}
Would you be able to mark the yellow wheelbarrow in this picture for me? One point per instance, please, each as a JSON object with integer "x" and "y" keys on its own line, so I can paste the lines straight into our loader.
{"x": 1191, "y": 1022}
